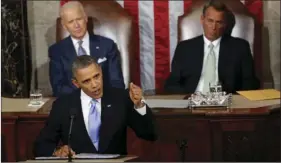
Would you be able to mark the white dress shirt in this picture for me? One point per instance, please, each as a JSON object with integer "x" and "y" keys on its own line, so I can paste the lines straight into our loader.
{"x": 85, "y": 44}
{"x": 86, "y": 105}
{"x": 216, "y": 50}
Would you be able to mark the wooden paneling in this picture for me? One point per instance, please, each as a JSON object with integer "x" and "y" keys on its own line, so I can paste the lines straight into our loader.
{"x": 8, "y": 136}
{"x": 238, "y": 139}
{"x": 209, "y": 137}
{"x": 29, "y": 128}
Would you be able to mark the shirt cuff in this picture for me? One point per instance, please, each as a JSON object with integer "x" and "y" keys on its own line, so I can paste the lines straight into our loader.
{"x": 142, "y": 110}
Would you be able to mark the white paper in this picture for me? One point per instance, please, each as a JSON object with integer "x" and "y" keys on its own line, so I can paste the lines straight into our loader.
{"x": 50, "y": 158}
{"x": 81, "y": 156}
{"x": 95, "y": 156}
{"x": 165, "y": 103}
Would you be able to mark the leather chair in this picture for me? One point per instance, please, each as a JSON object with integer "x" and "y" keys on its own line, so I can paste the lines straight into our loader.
{"x": 109, "y": 19}
{"x": 240, "y": 21}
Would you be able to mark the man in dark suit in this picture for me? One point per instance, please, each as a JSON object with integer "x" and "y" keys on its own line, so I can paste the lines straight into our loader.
{"x": 102, "y": 115}
{"x": 212, "y": 57}
{"x": 80, "y": 42}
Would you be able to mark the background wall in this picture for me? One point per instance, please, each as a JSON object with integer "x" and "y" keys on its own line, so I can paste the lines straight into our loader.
{"x": 42, "y": 28}
{"x": 271, "y": 42}
{"x": 42, "y": 18}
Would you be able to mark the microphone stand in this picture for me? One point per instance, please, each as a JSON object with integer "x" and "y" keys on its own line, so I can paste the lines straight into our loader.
{"x": 69, "y": 136}
{"x": 69, "y": 156}
{"x": 182, "y": 145}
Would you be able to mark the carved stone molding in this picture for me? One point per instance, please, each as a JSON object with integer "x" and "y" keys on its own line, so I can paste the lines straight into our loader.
{"x": 15, "y": 56}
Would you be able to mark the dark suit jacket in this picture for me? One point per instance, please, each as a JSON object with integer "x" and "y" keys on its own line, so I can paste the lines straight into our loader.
{"x": 235, "y": 67}
{"x": 62, "y": 55}
{"x": 114, "y": 119}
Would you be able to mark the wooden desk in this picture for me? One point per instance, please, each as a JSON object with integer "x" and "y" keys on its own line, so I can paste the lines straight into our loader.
{"x": 236, "y": 134}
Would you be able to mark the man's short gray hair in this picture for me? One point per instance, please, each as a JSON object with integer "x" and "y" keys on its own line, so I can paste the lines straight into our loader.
{"x": 217, "y": 4}
{"x": 72, "y": 4}
{"x": 82, "y": 61}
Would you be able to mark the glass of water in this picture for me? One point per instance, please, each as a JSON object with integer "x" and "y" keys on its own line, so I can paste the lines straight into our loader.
{"x": 35, "y": 97}
{"x": 215, "y": 87}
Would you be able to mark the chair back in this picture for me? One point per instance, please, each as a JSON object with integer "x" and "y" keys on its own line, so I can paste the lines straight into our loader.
{"x": 109, "y": 19}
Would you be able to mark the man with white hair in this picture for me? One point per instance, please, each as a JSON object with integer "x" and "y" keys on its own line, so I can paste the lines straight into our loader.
{"x": 81, "y": 42}
{"x": 212, "y": 58}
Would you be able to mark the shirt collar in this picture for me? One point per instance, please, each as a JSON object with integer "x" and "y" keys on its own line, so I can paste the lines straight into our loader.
{"x": 87, "y": 98}
{"x": 85, "y": 39}
{"x": 208, "y": 42}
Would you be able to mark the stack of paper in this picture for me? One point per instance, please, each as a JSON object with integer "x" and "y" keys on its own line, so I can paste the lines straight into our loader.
{"x": 265, "y": 94}
{"x": 82, "y": 156}
{"x": 95, "y": 156}
{"x": 50, "y": 158}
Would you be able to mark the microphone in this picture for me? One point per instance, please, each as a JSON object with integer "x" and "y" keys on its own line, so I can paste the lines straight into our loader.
{"x": 72, "y": 117}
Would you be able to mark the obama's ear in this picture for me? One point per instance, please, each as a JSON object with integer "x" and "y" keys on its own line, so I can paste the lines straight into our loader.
{"x": 74, "y": 81}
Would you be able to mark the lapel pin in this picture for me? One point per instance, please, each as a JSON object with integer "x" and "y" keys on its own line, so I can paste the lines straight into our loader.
{"x": 108, "y": 106}
{"x": 97, "y": 47}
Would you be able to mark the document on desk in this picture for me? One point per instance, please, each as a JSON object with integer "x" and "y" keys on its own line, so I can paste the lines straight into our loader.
{"x": 50, "y": 158}
{"x": 82, "y": 156}
{"x": 256, "y": 95}
{"x": 165, "y": 103}
{"x": 95, "y": 156}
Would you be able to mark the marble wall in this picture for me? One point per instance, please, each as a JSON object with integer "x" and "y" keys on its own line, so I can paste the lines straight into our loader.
{"x": 42, "y": 17}
{"x": 271, "y": 42}
{"x": 42, "y": 20}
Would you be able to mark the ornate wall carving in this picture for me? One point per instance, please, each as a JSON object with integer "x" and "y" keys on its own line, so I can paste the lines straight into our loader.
{"x": 15, "y": 56}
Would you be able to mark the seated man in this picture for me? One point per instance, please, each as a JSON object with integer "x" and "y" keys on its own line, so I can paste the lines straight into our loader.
{"x": 212, "y": 57}
{"x": 80, "y": 42}
{"x": 102, "y": 115}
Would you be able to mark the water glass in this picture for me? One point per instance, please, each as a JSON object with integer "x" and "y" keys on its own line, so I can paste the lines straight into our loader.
{"x": 212, "y": 87}
{"x": 219, "y": 87}
{"x": 36, "y": 97}
{"x": 215, "y": 87}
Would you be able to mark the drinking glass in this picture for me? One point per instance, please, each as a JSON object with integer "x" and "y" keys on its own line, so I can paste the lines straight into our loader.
{"x": 219, "y": 87}
{"x": 35, "y": 97}
{"x": 215, "y": 87}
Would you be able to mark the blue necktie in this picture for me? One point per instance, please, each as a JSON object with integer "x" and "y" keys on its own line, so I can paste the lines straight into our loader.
{"x": 81, "y": 50}
{"x": 94, "y": 124}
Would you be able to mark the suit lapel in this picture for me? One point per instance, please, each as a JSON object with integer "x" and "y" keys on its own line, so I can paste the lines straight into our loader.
{"x": 69, "y": 51}
{"x": 222, "y": 56}
{"x": 110, "y": 121}
{"x": 95, "y": 49}
{"x": 200, "y": 56}
{"x": 197, "y": 63}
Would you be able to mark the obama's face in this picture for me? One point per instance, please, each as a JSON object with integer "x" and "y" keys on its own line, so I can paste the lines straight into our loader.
{"x": 89, "y": 79}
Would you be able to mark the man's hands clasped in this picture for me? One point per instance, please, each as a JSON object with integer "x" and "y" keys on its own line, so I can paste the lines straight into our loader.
{"x": 63, "y": 151}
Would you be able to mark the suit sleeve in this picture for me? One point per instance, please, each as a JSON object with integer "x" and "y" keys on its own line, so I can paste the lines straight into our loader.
{"x": 142, "y": 125}
{"x": 48, "y": 138}
{"x": 173, "y": 83}
{"x": 59, "y": 83}
{"x": 249, "y": 79}
{"x": 115, "y": 70}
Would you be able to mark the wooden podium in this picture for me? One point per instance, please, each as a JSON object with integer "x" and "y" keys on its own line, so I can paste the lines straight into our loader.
{"x": 250, "y": 131}
{"x": 119, "y": 159}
